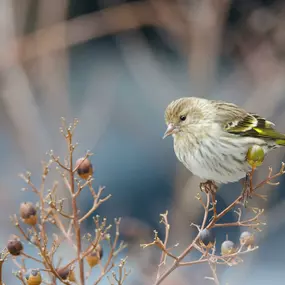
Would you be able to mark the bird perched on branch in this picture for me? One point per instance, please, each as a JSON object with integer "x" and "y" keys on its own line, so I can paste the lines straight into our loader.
{"x": 212, "y": 138}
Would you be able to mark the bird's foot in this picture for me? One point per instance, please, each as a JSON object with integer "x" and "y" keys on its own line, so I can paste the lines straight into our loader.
{"x": 208, "y": 187}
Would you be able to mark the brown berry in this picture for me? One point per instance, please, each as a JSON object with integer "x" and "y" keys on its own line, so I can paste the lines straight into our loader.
{"x": 34, "y": 277}
{"x": 66, "y": 274}
{"x": 14, "y": 246}
{"x": 28, "y": 213}
{"x": 85, "y": 168}
{"x": 94, "y": 257}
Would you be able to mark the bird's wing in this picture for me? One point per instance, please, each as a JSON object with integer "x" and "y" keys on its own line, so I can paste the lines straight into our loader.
{"x": 252, "y": 125}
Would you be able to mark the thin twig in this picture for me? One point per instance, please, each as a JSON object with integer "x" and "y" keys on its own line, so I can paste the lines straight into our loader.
{"x": 74, "y": 207}
{"x": 213, "y": 269}
{"x": 164, "y": 220}
{"x": 188, "y": 249}
{"x": 31, "y": 257}
{"x": 81, "y": 187}
{"x": 56, "y": 160}
{"x": 108, "y": 266}
{"x": 2, "y": 260}
{"x": 62, "y": 229}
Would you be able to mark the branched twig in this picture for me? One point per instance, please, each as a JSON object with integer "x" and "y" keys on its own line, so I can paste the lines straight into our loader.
{"x": 81, "y": 187}
{"x": 165, "y": 252}
{"x": 252, "y": 222}
{"x": 211, "y": 258}
{"x": 76, "y": 223}
{"x": 97, "y": 202}
{"x": 122, "y": 274}
{"x": 56, "y": 160}
{"x": 50, "y": 210}
{"x": 215, "y": 278}
{"x": 109, "y": 264}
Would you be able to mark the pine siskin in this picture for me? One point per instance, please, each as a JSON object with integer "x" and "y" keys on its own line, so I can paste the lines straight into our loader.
{"x": 212, "y": 138}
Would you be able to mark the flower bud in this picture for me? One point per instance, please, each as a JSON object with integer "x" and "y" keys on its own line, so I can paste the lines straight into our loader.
{"x": 94, "y": 257}
{"x": 207, "y": 238}
{"x": 28, "y": 213}
{"x": 247, "y": 239}
{"x": 66, "y": 274}
{"x": 14, "y": 245}
{"x": 228, "y": 247}
{"x": 255, "y": 156}
{"x": 85, "y": 168}
{"x": 34, "y": 277}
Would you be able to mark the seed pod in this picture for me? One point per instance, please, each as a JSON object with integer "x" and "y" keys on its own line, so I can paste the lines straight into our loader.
{"x": 85, "y": 168}
{"x": 255, "y": 156}
{"x": 34, "y": 277}
{"x": 94, "y": 257}
{"x": 66, "y": 274}
{"x": 14, "y": 246}
{"x": 228, "y": 247}
{"x": 247, "y": 239}
{"x": 28, "y": 213}
{"x": 207, "y": 238}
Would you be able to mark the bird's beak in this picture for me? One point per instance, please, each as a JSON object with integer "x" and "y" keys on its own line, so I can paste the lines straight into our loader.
{"x": 171, "y": 129}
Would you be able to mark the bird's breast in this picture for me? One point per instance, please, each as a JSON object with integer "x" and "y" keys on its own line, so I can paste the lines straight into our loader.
{"x": 222, "y": 158}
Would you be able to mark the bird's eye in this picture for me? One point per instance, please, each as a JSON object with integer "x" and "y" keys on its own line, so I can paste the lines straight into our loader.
{"x": 182, "y": 118}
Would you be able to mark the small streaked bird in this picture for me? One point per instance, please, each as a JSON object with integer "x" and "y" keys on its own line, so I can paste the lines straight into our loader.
{"x": 212, "y": 138}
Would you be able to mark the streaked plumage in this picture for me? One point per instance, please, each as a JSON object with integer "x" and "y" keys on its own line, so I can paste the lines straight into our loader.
{"x": 211, "y": 138}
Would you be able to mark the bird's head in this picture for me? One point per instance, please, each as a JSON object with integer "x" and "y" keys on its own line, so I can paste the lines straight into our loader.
{"x": 184, "y": 115}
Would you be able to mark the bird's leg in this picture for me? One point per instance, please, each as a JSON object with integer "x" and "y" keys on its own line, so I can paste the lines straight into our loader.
{"x": 247, "y": 191}
{"x": 250, "y": 181}
{"x": 209, "y": 187}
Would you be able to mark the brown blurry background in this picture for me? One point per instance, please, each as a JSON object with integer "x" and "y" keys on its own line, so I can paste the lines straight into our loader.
{"x": 116, "y": 65}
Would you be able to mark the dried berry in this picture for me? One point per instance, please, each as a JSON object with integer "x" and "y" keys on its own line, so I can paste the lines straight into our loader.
{"x": 34, "y": 277}
{"x": 228, "y": 247}
{"x": 247, "y": 239}
{"x": 255, "y": 156}
{"x": 94, "y": 257}
{"x": 85, "y": 168}
{"x": 14, "y": 246}
{"x": 66, "y": 274}
{"x": 207, "y": 238}
{"x": 28, "y": 213}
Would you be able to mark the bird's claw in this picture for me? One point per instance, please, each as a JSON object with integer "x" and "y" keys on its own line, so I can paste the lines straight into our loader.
{"x": 208, "y": 187}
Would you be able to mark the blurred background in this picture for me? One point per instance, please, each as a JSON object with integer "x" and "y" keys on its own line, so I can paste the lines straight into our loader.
{"x": 116, "y": 65}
